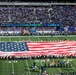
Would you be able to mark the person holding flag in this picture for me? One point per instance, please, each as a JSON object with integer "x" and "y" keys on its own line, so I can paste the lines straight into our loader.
{"x": 53, "y": 63}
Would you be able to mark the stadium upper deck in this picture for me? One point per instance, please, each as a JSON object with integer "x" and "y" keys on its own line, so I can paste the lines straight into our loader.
{"x": 38, "y": 13}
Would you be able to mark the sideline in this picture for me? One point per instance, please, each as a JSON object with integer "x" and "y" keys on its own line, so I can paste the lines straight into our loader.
{"x": 42, "y": 36}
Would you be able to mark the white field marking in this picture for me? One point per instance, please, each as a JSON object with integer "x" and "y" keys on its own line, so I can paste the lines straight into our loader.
{"x": 7, "y": 68}
{"x": 10, "y": 39}
{"x": 70, "y": 62}
{"x": 48, "y": 38}
{"x": 29, "y": 38}
{"x": 9, "y": 61}
{"x": 41, "y": 63}
{"x": 19, "y": 39}
{"x": 15, "y": 61}
{"x": 39, "y": 38}
{"x": 28, "y": 67}
{"x": 0, "y": 38}
{"x": 74, "y": 67}
{"x": 12, "y": 66}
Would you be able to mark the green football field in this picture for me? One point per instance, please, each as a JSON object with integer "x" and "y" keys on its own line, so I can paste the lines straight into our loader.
{"x": 20, "y": 67}
{"x": 36, "y": 38}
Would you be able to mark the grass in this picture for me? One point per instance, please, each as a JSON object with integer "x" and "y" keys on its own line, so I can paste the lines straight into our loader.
{"x": 21, "y": 66}
{"x": 35, "y": 38}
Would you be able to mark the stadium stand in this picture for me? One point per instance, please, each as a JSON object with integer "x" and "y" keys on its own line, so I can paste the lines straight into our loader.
{"x": 58, "y": 14}
{"x": 64, "y": 15}
{"x": 37, "y": 18}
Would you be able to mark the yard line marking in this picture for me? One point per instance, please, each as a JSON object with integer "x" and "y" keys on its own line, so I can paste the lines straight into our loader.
{"x": 48, "y": 38}
{"x": 0, "y": 38}
{"x": 7, "y": 67}
{"x": 74, "y": 67}
{"x": 28, "y": 67}
{"x": 10, "y": 39}
{"x": 41, "y": 63}
{"x": 29, "y": 38}
{"x": 39, "y": 38}
{"x": 12, "y": 66}
{"x": 19, "y": 39}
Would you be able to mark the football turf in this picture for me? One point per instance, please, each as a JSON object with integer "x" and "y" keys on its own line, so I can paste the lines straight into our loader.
{"x": 22, "y": 66}
{"x": 36, "y": 38}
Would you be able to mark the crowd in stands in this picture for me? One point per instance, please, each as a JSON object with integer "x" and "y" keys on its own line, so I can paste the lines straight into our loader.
{"x": 64, "y": 15}
{"x": 59, "y": 14}
{"x": 10, "y": 28}
{"x": 30, "y": 30}
{"x": 25, "y": 30}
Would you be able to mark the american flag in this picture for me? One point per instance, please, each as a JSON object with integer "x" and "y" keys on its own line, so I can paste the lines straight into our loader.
{"x": 52, "y": 48}
{"x": 46, "y": 48}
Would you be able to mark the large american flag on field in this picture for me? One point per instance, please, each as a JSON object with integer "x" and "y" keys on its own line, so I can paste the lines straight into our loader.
{"x": 46, "y": 48}
{"x": 52, "y": 48}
